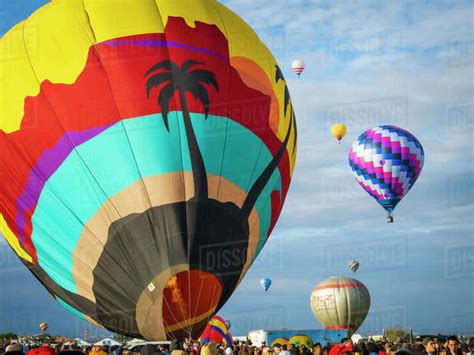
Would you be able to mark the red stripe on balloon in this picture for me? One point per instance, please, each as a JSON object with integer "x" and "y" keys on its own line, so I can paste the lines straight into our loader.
{"x": 336, "y": 286}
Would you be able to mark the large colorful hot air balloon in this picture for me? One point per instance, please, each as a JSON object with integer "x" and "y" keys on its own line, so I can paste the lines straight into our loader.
{"x": 147, "y": 148}
{"x": 340, "y": 303}
{"x": 265, "y": 283}
{"x": 216, "y": 332}
{"x": 386, "y": 161}
{"x": 43, "y": 326}
{"x": 353, "y": 265}
{"x": 338, "y": 130}
{"x": 298, "y": 66}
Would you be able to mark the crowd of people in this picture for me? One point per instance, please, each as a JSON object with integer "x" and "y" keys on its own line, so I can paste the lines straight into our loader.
{"x": 422, "y": 346}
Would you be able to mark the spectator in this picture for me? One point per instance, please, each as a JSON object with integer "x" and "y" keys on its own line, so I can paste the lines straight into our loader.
{"x": 470, "y": 346}
{"x": 430, "y": 346}
{"x": 284, "y": 350}
{"x": 452, "y": 346}
{"x": 403, "y": 352}
{"x": 209, "y": 349}
{"x": 418, "y": 349}
{"x": 344, "y": 347}
{"x": 14, "y": 349}
{"x": 372, "y": 348}
{"x": 317, "y": 349}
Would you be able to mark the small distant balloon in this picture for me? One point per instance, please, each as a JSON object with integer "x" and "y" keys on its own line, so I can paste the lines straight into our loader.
{"x": 266, "y": 283}
{"x": 228, "y": 324}
{"x": 43, "y": 326}
{"x": 298, "y": 66}
{"x": 339, "y": 130}
{"x": 353, "y": 265}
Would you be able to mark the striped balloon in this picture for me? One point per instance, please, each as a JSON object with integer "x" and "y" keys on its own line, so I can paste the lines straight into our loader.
{"x": 354, "y": 265}
{"x": 340, "y": 303}
{"x": 386, "y": 161}
{"x": 216, "y": 332}
{"x": 298, "y": 66}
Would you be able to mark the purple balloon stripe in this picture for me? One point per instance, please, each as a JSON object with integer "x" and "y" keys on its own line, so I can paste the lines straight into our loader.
{"x": 44, "y": 168}
{"x": 161, "y": 43}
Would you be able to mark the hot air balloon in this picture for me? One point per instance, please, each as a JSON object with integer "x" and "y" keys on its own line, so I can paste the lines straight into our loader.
{"x": 338, "y": 131}
{"x": 216, "y": 332}
{"x": 228, "y": 324}
{"x": 386, "y": 161}
{"x": 301, "y": 339}
{"x": 281, "y": 341}
{"x": 43, "y": 326}
{"x": 266, "y": 283}
{"x": 298, "y": 67}
{"x": 353, "y": 265}
{"x": 340, "y": 303}
{"x": 146, "y": 153}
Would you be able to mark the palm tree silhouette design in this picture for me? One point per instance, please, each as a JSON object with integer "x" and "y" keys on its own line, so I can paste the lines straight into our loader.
{"x": 182, "y": 80}
{"x": 188, "y": 232}
{"x": 179, "y": 79}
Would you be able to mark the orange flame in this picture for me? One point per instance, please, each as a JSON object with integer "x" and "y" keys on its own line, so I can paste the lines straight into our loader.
{"x": 177, "y": 296}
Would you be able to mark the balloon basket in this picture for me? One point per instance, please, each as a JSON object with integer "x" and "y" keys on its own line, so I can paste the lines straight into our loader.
{"x": 389, "y": 218}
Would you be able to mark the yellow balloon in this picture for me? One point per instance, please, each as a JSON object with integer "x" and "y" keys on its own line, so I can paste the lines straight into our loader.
{"x": 339, "y": 130}
{"x": 281, "y": 341}
{"x": 301, "y": 339}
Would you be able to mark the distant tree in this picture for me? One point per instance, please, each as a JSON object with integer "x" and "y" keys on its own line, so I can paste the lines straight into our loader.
{"x": 7, "y": 336}
{"x": 392, "y": 334}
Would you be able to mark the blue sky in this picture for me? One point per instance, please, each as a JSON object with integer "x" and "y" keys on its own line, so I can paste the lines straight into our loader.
{"x": 407, "y": 63}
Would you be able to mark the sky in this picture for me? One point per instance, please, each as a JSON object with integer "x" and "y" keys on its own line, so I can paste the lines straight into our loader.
{"x": 407, "y": 63}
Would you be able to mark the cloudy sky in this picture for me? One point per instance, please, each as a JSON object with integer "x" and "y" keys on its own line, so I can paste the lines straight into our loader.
{"x": 407, "y": 63}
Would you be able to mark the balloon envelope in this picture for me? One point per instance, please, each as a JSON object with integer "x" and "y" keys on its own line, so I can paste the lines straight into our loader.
{"x": 146, "y": 153}
{"x": 217, "y": 332}
{"x": 281, "y": 341}
{"x": 340, "y": 303}
{"x": 266, "y": 283}
{"x": 301, "y": 339}
{"x": 43, "y": 326}
{"x": 338, "y": 131}
{"x": 353, "y": 265}
{"x": 298, "y": 66}
{"x": 386, "y": 162}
